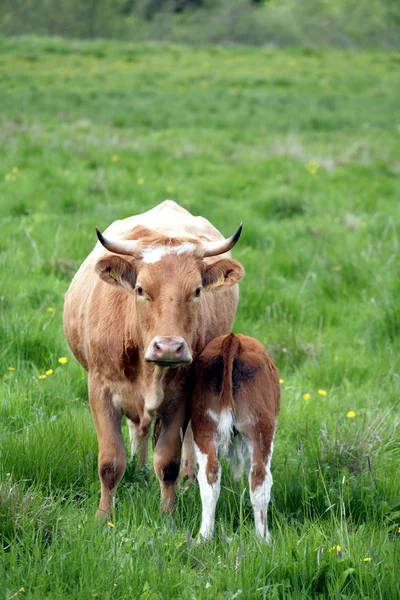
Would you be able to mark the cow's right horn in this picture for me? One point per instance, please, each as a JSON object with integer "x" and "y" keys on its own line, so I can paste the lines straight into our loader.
{"x": 129, "y": 247}
{"x": 216, "y": 248}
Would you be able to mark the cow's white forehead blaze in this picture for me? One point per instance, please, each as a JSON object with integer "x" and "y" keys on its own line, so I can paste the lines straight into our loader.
{"x": 156, "y": 253}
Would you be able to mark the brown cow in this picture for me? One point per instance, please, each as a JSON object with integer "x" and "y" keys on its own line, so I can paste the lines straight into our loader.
{"x": 235, "y": 404}
{"x": 135, "y": 316}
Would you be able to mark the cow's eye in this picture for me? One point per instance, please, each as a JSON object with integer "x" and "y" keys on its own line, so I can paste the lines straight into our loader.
{"x": 139, "y": 291}
{"x": 197, "y": 293}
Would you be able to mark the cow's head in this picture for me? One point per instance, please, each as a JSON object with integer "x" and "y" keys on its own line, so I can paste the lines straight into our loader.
{"x": 168, "y": 277}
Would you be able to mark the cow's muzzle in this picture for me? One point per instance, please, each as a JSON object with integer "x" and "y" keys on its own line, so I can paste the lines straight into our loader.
{"x": 168, "y": 352}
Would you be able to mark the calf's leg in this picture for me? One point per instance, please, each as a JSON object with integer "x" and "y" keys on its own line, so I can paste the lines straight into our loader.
{"x": 209, "y": 478}
{"x": 209, "y": 473}
{"x": 112, "y": 454}
{"x": 139, "y": 438}
{"x": 188, "y": 468}
{"x": 260, "y": 483}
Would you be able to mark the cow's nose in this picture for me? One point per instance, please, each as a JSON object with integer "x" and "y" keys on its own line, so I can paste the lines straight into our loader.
{"x": 168, "y": 351}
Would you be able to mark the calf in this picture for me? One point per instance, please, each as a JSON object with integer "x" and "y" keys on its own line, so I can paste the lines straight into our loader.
{"x": 235, "y": 404}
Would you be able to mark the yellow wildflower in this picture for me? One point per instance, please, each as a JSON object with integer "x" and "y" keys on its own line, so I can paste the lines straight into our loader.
{"x": 115, "y": 158}
{"x": 140, "y": 181}
{"x": 42, "y": 377}
{"x": 63, "y": 360}
{"x": 50, "y": 309}
{"x": 111, "y": 525}
{"x": 335, "y": 548}
{"x": 22, "y": 590}
{"x": 15, "y": 169}
{"x": 11, "y": 368}
{"x": 322, "y": 392}
{"x": 366, "y": 559}
{"x": 312, "y": 167}
{"x": 49, "y": 372}
{"x": 351, "y": 414}
{"x": 306, "y": 396}
{"x": 281, "y": 381}
{"x": 180, "y": 544}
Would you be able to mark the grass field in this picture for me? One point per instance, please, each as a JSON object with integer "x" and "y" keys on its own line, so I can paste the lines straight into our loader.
{"x": 304, "y": 148}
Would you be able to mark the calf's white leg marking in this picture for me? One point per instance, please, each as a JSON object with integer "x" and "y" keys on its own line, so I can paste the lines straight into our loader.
{"x": 260, "y": 498}
{"x": 209, "y": 495}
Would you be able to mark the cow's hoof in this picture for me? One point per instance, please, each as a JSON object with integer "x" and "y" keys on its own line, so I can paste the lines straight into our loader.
{"x": 103, "y": 516}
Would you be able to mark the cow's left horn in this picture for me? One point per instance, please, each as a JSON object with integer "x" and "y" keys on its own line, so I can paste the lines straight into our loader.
{"x": 129, "y": 247}
{"x": 215, "y": 248}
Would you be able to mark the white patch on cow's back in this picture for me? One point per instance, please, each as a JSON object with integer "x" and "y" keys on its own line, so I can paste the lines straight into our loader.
{"x": 153, "y": 255}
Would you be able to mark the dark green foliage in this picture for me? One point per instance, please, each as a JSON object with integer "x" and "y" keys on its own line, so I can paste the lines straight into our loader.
{"x": 310, "y": 23}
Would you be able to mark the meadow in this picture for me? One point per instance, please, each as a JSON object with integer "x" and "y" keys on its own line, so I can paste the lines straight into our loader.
{"x": 303, "y": 146}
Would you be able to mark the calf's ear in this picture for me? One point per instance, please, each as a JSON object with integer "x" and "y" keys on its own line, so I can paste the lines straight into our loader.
{"x": 222, "y": 274}
{"x": 117, "y": 271}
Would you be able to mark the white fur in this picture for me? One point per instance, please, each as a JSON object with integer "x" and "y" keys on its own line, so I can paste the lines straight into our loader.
{"x": 260, "y": 499}
{"x": 225, "y": 429}
{"x": 212, "y": 415}
{"x": 209, "y": 495}
{"x": 117, "y": 402}
{"x": 139, "y": 443}
{"x": 153, "y": 255}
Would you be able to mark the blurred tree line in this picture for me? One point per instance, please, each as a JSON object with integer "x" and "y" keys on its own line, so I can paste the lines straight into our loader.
{"x": 341, "y": 23}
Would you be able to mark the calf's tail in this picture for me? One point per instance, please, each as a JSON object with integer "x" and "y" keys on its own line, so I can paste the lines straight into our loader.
{"x": 229, "y": 351}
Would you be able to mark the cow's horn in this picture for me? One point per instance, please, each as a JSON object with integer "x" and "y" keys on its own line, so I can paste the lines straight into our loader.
{"x": 129, "y": 247}
{"x": 215, "y": 248}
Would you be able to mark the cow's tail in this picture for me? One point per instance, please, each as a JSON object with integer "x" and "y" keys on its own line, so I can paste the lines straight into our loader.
{"x": 229, "y": 351}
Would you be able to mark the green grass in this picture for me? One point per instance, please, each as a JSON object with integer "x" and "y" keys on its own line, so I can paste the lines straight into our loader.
{"x": 230, "y": 133}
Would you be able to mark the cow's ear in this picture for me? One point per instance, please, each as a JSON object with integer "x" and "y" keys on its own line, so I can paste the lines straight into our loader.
{"x": 117, "y": 271}
{"x": 222, "y": 274}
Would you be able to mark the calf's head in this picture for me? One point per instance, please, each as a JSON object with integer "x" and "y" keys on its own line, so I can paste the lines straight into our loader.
{"x": 168, "y": 278}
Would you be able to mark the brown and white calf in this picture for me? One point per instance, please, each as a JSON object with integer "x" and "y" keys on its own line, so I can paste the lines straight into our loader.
{"x": 156, "y": 289}
{"x": 235, "y": 405}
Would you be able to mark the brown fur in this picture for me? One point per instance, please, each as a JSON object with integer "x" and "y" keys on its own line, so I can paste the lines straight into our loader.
{"x": 234, "y": 373}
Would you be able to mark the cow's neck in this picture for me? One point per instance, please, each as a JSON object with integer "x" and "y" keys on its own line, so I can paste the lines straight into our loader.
{"x": 151, "y": 375}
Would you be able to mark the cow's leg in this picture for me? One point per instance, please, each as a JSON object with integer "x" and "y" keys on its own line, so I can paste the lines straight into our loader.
{"x": 167, "y": 457}
{"x": 112, "y": 454}
{"x": 260, "y": 482}
{"x": 188, "y": 467}
{"x": 139, "y": 439}
{"x": 209, "y": 473}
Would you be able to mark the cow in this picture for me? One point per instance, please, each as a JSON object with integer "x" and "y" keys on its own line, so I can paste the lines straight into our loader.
{"x": 234, "y": 407}
{"x": 156, "y": 289}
